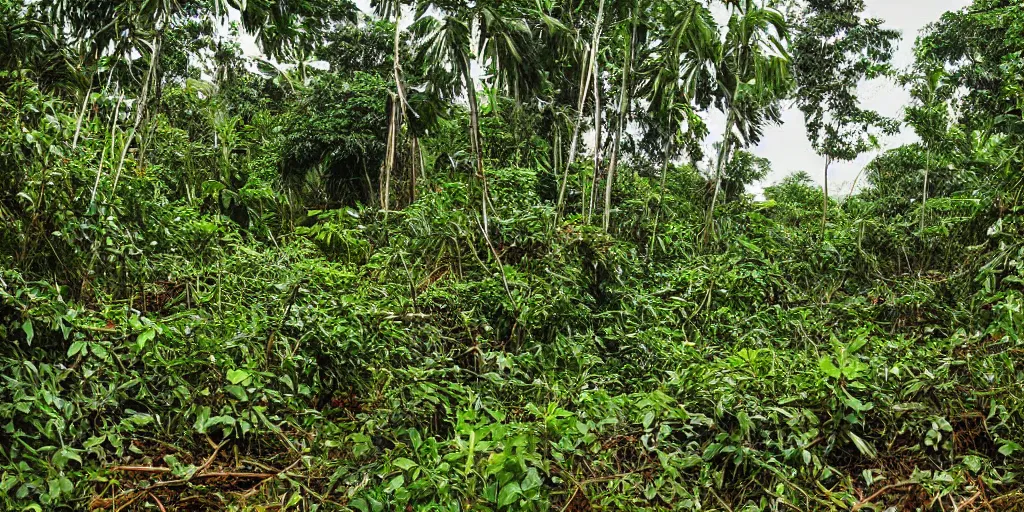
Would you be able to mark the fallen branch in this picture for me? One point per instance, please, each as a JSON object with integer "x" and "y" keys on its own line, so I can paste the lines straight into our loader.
{"x": 209, "y": 460}
{"x": 969, "y": 501}
{"x": 231, "y": 474}
{"x": 880, "y": 492}
{"x": 212, "y": 474}
{"x": 140, "y": 469}
{"x": 158, "y": 502}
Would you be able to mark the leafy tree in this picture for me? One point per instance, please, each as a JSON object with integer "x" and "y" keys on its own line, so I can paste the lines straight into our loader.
{"x": 979, "y": 47}
{"x": 446, "y": 53}
{"x": 679, "y": 80}
{"x": 835, "y": 49}
{"x": 742, "y": 170}
{"x": 753, "y": 76}
{"x": 332, "y": 141}
{"x": 929, "y": 116}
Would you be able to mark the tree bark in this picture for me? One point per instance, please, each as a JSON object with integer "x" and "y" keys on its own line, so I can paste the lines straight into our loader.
{"x": 723, "y": 156}
{"x": 113, "y": 128}
{"x": 824, "y": 204}
{"x": 597, "y": 144}
{"x": 414, "y": 169}
{"x": 475, "y": 143}
{"x": 924, "y": 189}
{"x": 585, "y": 82}
{"x": 81, "y": 113}
{"x": 661, "y": 193}
{"x": 398, "y": 107}
{"x": 623, "y": 108}
{"x": 140, "y": 109}
{"x": 389, "y": 158}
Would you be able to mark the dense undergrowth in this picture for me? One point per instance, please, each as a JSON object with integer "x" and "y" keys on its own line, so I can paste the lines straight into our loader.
{"x": 217, "y": 314}
{"x": 376, "y": 363}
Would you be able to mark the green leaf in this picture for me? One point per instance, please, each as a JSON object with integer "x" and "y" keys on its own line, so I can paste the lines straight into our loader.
{"x": 648, "y": 419}
{"x": 237, "y": 391}
{"x": 238, "y": 376}
{"x": 145, "y": 337}
{"x": 865, "y": 449}
{"x": 404, "y": 463}
{"x": 75, "y": 348}
{"x": 396, "y": 483}
{"x": 30, "y": 332}
{"x": 583, "y": 427}
{"x": 857, "y": 343}
{"x": 359, "y": 504}
{"x": 973, "y": 463}
{"x": 509, "y": 494}
{"x": 531, "y": 481}
{"x": 1009, "y": 448}
{"x": 828, "y": 367}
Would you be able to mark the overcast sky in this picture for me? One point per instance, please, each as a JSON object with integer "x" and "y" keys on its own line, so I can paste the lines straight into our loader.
{"x": 787, "y": 146}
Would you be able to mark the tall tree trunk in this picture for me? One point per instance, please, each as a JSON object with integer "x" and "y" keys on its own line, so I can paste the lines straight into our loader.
{"x": 398, "y": 107}
{"x": 584, "y": 92}
{"x": 81, "y": 113}
{"x": 585, "y": 86}
{"x": 924, "y": 189}
{"x": 414, "y": 168}
{"x": 623, "y": 108}
{"x": 477, "y": 146}
{"x": 723, "y": 156}
{"x": 475, "y": 142}
{"x": 661, "y": 194}
{"x": 389, "y": 158}
{"x": 824, "y": 203}
{"x": 103, "y": 154}
{"x": 597, "y": 144}
{"x": 141, "y": 107}
{"x": 423, "y": 162}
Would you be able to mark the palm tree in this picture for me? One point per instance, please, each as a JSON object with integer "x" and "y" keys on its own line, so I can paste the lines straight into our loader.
{"x": 681, "y": 75}
{"x": 503, "y": 48}
{"x": 385, "y": 8}
{"x": 589, "y": 73}
{"x": 116, "y": 31}
{"x": 929, "y": 116}
{"x": 753, "y": 76}
{"x": 630, "y": 36}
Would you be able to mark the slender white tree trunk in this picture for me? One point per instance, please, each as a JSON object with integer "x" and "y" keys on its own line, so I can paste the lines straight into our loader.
{"x": 723, "y": 156}
{"x": 584, "y": 89}
{"x": 81, "y": 112}
{"x": 597, "y": 144}
{"x": 824, "y": 203}
{"x": 140, "y": 108}
{"x": 397, "y": 108}
{"x": 113, "y": 128}
{"x": 661, "y": 194}
{"x": 475, "y": 143}
{"x": 623, "y": 108}
{"x": 924, "y": 189}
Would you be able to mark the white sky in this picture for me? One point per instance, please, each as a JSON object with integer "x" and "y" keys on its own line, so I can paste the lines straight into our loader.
{"x": 787, "y": 146}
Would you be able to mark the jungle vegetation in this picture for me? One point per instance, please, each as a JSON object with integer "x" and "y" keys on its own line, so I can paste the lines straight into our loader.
{"x": 454, "y": 255}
